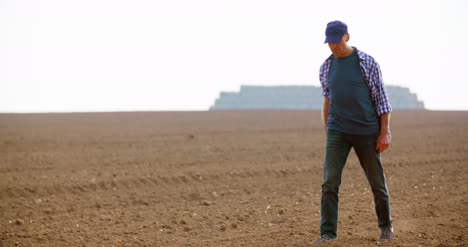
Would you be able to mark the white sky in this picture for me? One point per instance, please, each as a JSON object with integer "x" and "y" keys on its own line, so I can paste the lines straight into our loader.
{"x": 110, "y": 55}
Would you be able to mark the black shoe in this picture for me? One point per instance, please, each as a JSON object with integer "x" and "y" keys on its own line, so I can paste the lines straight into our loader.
{"x": 386, "y": 233}
{"x": 325, "y": 238}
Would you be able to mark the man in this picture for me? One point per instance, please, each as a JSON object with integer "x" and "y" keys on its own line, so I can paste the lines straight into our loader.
{"x": 356, "y": 114}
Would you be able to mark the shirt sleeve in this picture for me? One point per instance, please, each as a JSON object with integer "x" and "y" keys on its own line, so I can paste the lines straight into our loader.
{"x": 380, "y": 95}
{"x": 323, "y": 76}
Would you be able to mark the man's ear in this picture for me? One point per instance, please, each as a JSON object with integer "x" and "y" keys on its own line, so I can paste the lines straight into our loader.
{"x": 346, "y": 37}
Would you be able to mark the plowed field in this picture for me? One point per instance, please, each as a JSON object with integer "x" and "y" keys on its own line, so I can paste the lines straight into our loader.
{"x": 229, "y": 178}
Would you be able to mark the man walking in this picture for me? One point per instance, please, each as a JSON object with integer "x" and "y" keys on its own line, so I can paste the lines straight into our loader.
{"x": 356, "y": 114}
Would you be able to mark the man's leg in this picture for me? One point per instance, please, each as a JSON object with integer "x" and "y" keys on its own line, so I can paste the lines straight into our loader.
{"x": 337, "y": 150}
{"x": 372, "y": 165}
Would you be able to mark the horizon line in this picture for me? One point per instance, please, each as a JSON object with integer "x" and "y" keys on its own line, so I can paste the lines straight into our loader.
{"x": 188, "y": 111}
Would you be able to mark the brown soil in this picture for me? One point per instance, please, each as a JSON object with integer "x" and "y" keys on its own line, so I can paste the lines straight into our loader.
{"x": 220, "y": 179}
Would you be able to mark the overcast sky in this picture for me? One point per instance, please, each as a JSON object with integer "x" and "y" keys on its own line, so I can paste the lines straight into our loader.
{"x": 111, "y": 55}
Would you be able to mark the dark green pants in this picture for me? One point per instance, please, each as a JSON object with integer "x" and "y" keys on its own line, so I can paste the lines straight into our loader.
{"x": 337, "y": 151}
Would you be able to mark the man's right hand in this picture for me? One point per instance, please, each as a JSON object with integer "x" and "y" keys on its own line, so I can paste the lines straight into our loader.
{"x": 326, "y": 105}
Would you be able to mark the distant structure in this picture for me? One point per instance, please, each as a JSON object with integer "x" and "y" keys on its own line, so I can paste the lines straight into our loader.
{"x": 298, "y": 98}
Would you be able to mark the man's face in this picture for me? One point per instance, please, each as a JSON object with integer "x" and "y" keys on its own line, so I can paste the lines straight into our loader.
{"x": 339, "y": 49}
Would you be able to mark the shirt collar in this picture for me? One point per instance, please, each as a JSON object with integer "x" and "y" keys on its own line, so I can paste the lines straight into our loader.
{"x": 362, "y": 56}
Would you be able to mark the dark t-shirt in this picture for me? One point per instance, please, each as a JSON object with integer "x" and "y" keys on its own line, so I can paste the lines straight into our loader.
{"x": 352, "y": 110}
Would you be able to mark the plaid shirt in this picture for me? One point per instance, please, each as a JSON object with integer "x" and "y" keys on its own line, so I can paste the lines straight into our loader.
{"x": 372, "y": 76}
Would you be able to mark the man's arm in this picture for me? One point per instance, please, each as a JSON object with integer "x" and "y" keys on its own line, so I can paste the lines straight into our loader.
{"x": 382, "y": 105}
{"x": 383, "y": 141}
{"x": 325, "y": 107}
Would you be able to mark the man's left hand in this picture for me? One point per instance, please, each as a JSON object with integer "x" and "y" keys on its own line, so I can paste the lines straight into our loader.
{"x": 383, "y": 142}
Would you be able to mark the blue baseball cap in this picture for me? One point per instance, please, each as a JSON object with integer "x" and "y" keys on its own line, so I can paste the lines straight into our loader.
{"x": 335, "y": 31}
